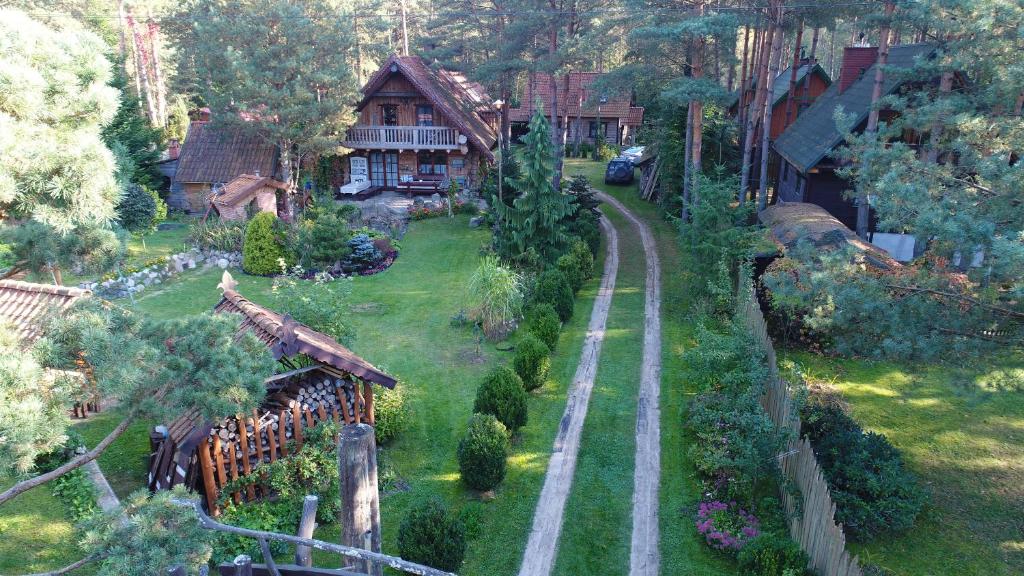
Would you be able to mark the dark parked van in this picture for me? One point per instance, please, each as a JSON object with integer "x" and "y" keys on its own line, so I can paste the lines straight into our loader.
{"x": 619, "y": 171}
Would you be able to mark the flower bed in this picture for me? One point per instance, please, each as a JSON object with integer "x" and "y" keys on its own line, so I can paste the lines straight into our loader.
{"x": 726, "y": 526}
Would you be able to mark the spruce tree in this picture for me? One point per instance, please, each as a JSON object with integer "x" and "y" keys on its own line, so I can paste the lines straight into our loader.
{"x": 533, "y": 220}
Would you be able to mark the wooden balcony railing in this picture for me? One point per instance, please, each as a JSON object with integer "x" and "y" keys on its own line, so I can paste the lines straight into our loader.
{"x": 404, "y": 138}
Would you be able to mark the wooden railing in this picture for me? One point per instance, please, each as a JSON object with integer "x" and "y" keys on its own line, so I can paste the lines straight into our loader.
{"x": 811, "y": 514}
{"x": 404, "y": 138}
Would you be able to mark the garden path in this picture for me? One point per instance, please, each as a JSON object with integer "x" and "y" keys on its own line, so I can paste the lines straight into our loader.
{"x": 644, "y": 558}
{"x": 542, "y": 545}
{"x": 105, "y": 497}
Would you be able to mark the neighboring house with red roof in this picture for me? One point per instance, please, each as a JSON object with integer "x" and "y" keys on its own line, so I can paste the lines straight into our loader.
{"x": 419, "y": 126}
{"x": 213, "y": 155}
{"x": 579, "y": 101}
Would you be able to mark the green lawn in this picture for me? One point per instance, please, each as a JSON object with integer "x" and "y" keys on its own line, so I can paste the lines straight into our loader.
{"x": 125, "y": 463}
{"x": 961, "y": 429}
{"x": 35, "y": 533}
{"x": 402, "y": 323}
{"x": 681, "y": 550}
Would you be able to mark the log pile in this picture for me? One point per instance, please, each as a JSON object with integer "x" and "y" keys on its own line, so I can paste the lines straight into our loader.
{"x": 299, "y": 404}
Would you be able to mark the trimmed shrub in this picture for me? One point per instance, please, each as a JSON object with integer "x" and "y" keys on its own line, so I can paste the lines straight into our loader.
{"x": 873, "y": 491}
{"x": 531, "y": 361}
{"x": 390, "y": 413}
{"x": 264, "y": 246}
{"x": 432, "y": 536}
{"x": 323, "y": 239}
{"x": 554, "y": 289}
{"x": 137, "y": 210}
{"x": 772, "y": 554}
{"x": 502, "y": 395}
{"x": 577, "y": 265}
{"x": 542, "y": 322}
{"x": 364, "y": 254}
{"x": 482, "y": 452}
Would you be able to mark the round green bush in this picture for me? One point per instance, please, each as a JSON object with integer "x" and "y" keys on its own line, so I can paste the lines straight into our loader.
{"x": 502, "y": 395}
{"x": 482, "y": 452}
{"x": 531, "y": 361}
{"x": 543, "y": 322}
{"x": 554, "y": 289}
{"x": 264, "y": 246}
{"x": 771, "y": 554}
{"x": 430, "y": 535}
{"x": 390, "y": 415}
{"x": 577, "y": 264}
{"x": 137, "y": 209}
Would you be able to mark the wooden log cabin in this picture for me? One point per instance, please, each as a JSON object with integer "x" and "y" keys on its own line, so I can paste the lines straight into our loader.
{"x": 333, "y": 383}
{"x": 811, "y": 82}
{"x": 420, "y": 126}
{"x": 803, "y": 161}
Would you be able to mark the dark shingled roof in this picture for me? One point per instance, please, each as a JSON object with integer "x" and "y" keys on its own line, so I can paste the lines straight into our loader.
{"x": 814, "y": 134}
{"x": 792, "y": 222}
{"x": 780, "y": 87}
{"x": 270, "y": 327}
{"x": 461, "y": 101}
{"x": 24, "y": 305}
{"x": 216, "y": 154}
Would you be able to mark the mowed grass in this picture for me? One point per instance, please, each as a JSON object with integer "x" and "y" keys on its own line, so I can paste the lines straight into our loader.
{"x": 682, "y": 552}
{"x": 125, "y": 462}
{"x": 402, "y": 320}
{"x": 35, "y": 533}
{"x": 961, "y": 430}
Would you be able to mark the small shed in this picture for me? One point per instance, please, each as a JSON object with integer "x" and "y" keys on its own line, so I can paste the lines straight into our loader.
{"x": 790, "y": 223}
{"x": 332, "y": 383}
{"x": 232, "y": 200}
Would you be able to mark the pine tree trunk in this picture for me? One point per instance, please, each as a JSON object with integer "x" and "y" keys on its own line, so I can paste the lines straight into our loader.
{"x": 359, "y": 47}
{"x": 158, "y": 77}
{"x": 790, "y": 96}
{"x": 754, "y": 111}
{"x": 143, "y": 73}
{"x": 863, "y": 208}
{"x": 743, "y": 75}
{"x": 811, "y": 61}
{"x": 945, "y": 87}
{"x": 578, "y": 139}
{"x": 766, "y": 124}
{"x": 556, "y": 177}
{"x": 687, "y": 151}
{"x": 697, "y": 116}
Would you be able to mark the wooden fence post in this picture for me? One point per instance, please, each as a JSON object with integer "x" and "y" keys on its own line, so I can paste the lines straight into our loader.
{"x": 360, "y": 505}
{"x": 243, "y": 565}
{"x": 303, "y": 554}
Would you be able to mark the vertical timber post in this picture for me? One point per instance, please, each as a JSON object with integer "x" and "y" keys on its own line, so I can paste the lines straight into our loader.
{"x": 360, "y": 504}
{"x": 303, "y": 554}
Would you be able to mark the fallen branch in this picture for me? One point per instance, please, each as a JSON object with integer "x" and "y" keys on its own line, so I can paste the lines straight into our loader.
{"x": 962, "y": 298}
{"x": 69, "y": 567}
{"x": 78, "y": 462}
{"x": 356, "y": 553}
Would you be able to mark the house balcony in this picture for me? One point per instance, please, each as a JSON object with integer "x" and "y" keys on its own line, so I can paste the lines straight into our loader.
{"x": 404, "y": 138}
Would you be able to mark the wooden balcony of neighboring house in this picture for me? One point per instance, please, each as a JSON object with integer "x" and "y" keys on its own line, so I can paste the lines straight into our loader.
{"x": 404, "y": 138}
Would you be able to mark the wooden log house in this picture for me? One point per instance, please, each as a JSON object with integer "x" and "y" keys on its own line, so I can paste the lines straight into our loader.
{"x": 420, "y": 126}
{"x": 334, "y": 384}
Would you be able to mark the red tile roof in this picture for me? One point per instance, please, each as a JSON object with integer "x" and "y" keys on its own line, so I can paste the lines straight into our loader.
{"x": 538, "y": 85}
{"x": 245, "y": 187}
{"x": 464, "y": 103}
{"x": 215, "y": 154}
{"x": 24, "y": 305}
{"x": 285, "y": 337}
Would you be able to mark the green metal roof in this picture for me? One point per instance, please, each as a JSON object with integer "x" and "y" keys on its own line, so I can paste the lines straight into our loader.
{"x": 814, "y": 134}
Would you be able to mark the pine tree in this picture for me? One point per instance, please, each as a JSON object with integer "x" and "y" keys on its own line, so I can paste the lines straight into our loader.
{"x": 533, "y": 220}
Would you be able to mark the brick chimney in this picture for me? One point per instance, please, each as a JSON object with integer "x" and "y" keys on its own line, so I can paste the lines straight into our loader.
{"x": 200, "y": 115}
{"x": 856, "y": 60}
{"x": 173, "y": 148}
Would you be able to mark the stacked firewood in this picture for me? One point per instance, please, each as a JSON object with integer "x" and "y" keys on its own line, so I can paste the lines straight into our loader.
{"x": 311, "y": 398}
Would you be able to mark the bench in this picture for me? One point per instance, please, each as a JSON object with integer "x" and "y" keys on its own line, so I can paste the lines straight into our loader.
{"x": 424, "y": 184}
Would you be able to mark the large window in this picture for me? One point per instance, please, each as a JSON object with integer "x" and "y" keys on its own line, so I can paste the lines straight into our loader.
{"x": 389, "y": 114}
{"x": 424, "y": 115}
{"x": 593, "y": 129}
{"x": 432, "y": 163}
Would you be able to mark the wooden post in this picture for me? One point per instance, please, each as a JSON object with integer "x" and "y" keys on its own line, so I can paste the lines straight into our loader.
{"x": 303, "y": 554}
{"x": 209, "y": 487}
{"x": 233, "y": 468}
{"x": 368, "y": 397}
{"x": 360, "y": 505}
{"x": 243, "y": 565}
{"x": 297, "y": 426}
{"x": 282, "y": 439}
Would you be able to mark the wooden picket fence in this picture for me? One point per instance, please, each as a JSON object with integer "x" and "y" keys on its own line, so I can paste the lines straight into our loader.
{"x": 811, "y": 514}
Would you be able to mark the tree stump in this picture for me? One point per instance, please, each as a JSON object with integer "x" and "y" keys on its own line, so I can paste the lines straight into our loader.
{"x": 360, "y": 500}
